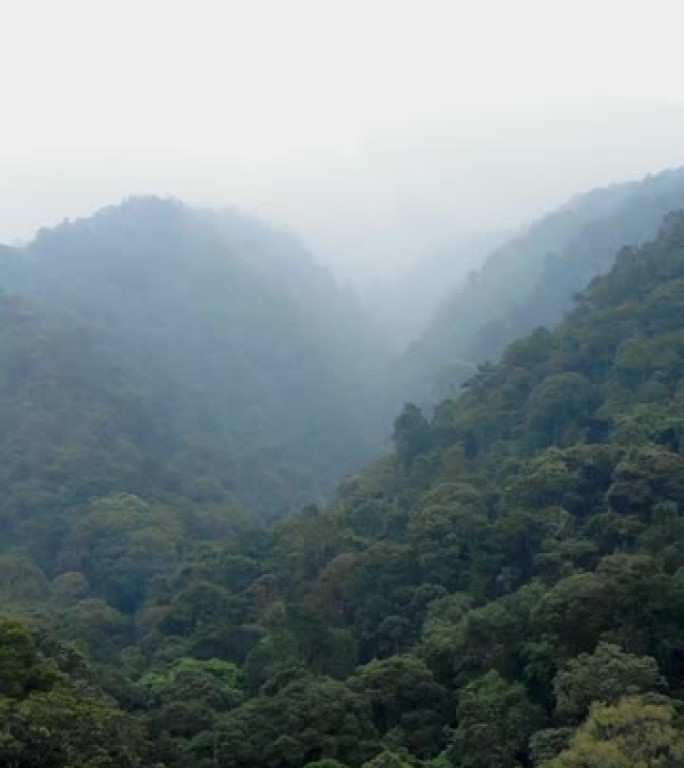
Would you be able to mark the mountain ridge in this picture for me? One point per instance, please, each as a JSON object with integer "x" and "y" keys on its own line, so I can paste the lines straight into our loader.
{"x": 208, "y": 320}
{"x": 530, "y": 281}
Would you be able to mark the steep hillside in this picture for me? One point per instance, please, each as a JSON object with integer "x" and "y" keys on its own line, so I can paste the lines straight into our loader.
{"x": 514, "y": 571}
{"x": 531, "y": 281}
{"x": 234, "y": 338}
{"x": 505, "y": 590}
{"x": 75, "y": 427}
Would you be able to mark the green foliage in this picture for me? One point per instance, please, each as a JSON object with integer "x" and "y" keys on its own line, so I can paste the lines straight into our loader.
{"x": 94, "y": 623}
{"x": 213, "y": 682}
{"x": 531, "y": 281}
{"x": 505, "y": 590}
{"x": 495, "y": 722}
{"x": 61, "y": 728}
{"x": 306, "y": 720}
{"x": 411, "y": 434}
{"x": 605, "y": 676}
{"x": 630, "y": 734}
{"x": 53, "y": 719}
{"x": 21, "y": 668}
{"x": 387, "y": 759}
{"x": 325, "y": 763}
{"x": 205, "y": 343}
{"x": 406, "y": 702}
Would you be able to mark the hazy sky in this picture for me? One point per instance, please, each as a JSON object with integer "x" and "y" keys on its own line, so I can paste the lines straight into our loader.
{"x": 377, "y": 128}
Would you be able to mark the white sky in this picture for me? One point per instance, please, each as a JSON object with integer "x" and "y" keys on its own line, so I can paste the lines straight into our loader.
{"x": 377, "y": 128}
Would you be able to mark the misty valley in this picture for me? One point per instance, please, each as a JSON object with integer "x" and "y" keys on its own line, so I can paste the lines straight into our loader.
{"x": 254, "y": 518}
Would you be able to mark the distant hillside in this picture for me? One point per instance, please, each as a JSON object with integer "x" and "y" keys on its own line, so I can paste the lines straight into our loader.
{"x": 234, "y": 339}
{"x": 404, "y": 303}
{"x": 531, "y": 281}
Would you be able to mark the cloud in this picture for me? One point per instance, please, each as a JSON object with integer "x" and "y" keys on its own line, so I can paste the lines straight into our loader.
{"x": 376, "y": 128}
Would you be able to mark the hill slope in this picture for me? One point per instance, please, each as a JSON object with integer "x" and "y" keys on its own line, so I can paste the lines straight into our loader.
{"x": 506, "y": 589}
{"x": 512, "y": 576}
{"x": 233, "y": 337}
{"x": 531, "y": 281}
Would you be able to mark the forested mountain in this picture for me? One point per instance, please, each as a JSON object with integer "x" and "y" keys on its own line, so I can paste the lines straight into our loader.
{"x": 261, "y": 375}
{"x": 531, "y": 280}
{"x": 505, "y": 590}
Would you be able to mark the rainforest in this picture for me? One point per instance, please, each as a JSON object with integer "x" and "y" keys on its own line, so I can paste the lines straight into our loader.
{"x": 240, "y": 529}
{"x": 341, "y": 384}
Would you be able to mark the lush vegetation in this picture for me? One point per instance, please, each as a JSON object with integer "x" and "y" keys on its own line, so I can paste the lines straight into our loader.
{"x": 506, "y": 589}
{"x": 262, "y": 376}
{"x": 531, "y": 281}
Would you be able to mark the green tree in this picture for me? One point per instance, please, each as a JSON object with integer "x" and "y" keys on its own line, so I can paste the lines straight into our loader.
{"x": 495, "y": 722}
{"x": 306, "y": 720}
{"x": 61, "y": 727}
{"x": 391, "y": 759}
{"x": 605, "y": 676}
{"x": 630, "y": 734}
{"x": 411, "y": 434}
{"x": 22, "y": 669}
{"x": 406, "y": 700}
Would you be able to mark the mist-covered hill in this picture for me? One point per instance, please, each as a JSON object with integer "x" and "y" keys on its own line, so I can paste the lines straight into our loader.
{"x": 239, "y": 346}
{"x": 504, "y": 590}
{"x": 532, "y": 279}
{"x": 403, "y": 304}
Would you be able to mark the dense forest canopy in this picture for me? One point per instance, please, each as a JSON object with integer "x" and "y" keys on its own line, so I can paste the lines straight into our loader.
{"x": 531, "y": 280}
{"x": 503, "y": 589}
{"x": 261, "y": 374}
